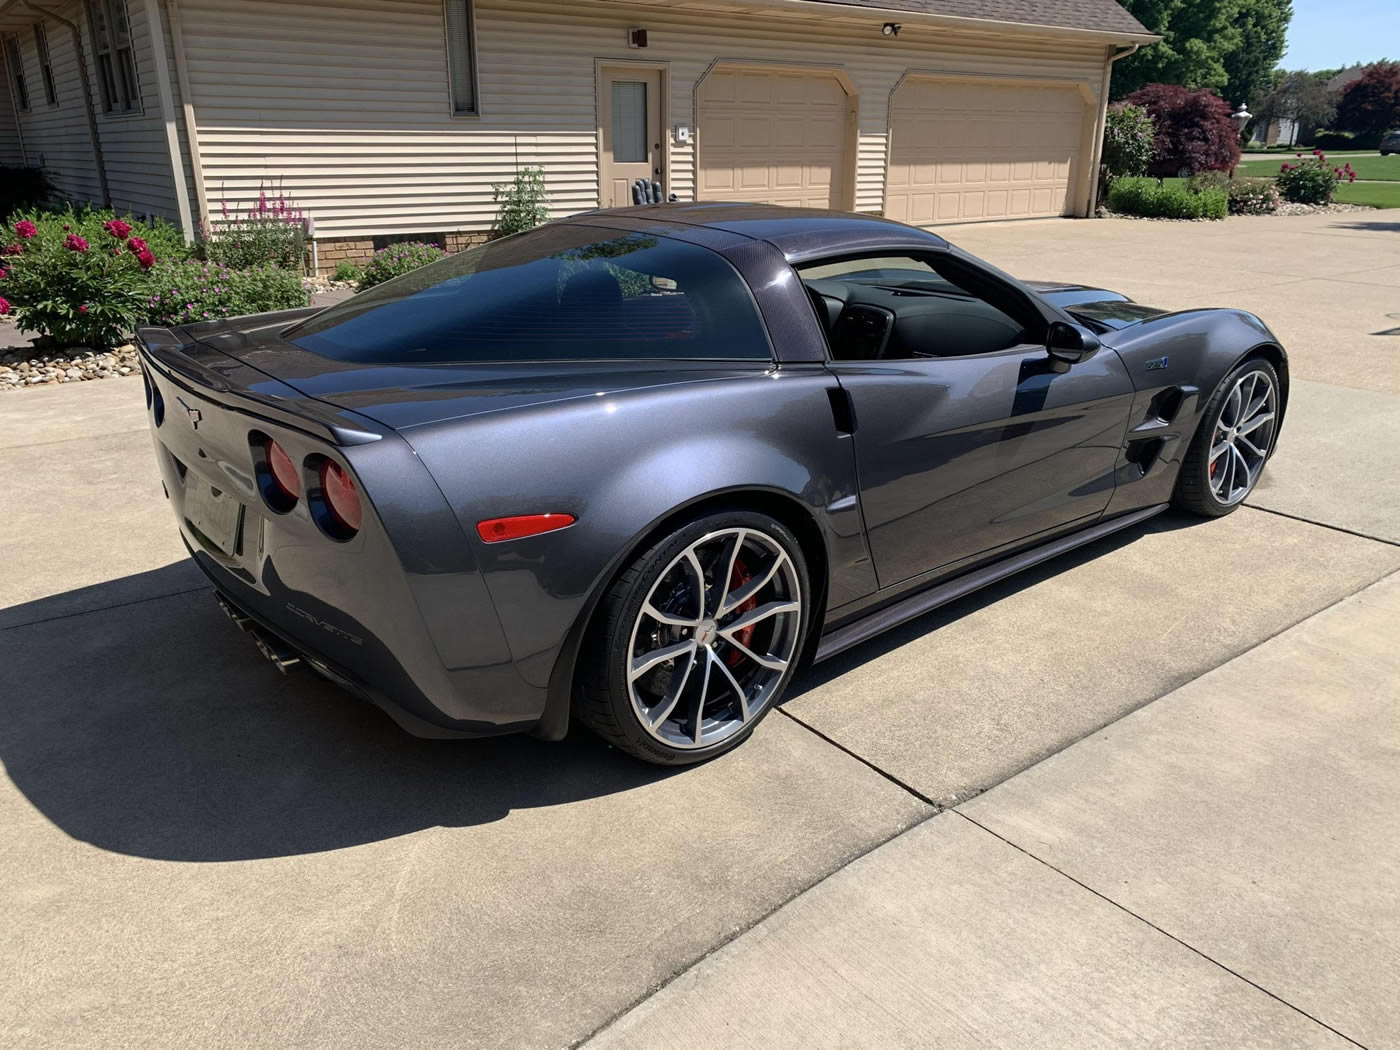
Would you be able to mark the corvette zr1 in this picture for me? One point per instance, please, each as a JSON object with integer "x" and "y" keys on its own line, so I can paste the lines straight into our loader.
{"x": 636, "y": 467}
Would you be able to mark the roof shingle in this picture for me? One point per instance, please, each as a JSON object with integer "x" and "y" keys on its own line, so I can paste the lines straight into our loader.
{"x": 1102, "y": 15}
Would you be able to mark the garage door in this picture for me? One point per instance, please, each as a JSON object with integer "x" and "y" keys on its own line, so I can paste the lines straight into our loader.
{"x": 772, "y": 137}
{"x": 961, "y": 151}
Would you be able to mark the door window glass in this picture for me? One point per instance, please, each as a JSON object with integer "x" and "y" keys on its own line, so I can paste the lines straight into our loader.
{"x": 629, "y": 121}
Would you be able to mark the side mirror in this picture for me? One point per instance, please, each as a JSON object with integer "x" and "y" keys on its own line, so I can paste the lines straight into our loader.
{"x": 1070, "y": 343}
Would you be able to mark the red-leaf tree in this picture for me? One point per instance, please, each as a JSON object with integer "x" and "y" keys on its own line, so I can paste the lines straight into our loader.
{"x": 1371, "y": 105}
{"x": 1194, "y": 130}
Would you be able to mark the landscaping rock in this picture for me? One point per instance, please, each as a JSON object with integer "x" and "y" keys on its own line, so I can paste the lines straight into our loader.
{"x": 22, "y": 366}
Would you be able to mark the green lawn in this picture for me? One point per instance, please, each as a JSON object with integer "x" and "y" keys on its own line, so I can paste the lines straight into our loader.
{"x": 1366, "y": 165}
{"x": 1376, "y": 194}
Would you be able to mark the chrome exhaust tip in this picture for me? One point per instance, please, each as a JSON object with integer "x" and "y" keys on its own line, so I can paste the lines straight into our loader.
{"x": 278, "y": 655}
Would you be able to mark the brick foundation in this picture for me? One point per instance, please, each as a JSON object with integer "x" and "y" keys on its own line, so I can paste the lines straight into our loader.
{"x": 331, "y": 251}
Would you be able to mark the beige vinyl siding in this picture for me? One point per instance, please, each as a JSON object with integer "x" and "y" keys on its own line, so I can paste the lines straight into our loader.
{"x": 345, "y": 105}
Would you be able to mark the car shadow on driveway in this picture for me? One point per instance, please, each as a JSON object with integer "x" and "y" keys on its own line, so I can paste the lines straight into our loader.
{"x": 155, "y": 729}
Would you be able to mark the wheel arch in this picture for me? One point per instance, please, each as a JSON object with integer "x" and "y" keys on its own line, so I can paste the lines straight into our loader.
{"x": 1273, "y": 353}
{"x": 782, "y": 506}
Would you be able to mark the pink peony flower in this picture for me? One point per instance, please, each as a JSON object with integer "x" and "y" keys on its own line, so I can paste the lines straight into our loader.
{"x": 12, "y": 249}
{"x": 146, "y": 258}
{"x": 136, "y": 244}
{"x": 66, "y": 226}
{"x": 118, "y": 229}
{"x": 74, "y": 243}
{"x": 24, "y": 229}
{"x": 82, "y": 308}
{"x": 4, "y": 306}
{"x": 3, "y": 272}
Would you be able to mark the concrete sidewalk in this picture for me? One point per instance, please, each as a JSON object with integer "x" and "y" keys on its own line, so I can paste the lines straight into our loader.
{"x": 1220, "y": 868}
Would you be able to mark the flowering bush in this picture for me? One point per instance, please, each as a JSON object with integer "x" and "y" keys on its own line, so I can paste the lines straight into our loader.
{"x": 193, "y": 291}
{"x": 1128, "y": 136}
{"x": 1312, "y": 181}
{"x": 78, "y": 276}
{"x": 1253, "y": 197}
{"x": 397, "y": 260}
{"x": 273, "y": 232}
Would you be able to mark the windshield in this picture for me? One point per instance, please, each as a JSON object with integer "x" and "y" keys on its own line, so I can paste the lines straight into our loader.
{"x": 560, "y": 292}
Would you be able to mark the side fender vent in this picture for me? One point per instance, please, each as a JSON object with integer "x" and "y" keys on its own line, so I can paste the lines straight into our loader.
{"x": 1144, "y": 452}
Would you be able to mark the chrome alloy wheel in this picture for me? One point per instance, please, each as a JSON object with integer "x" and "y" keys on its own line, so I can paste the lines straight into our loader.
{"x": 1242, "y": 437}
{"x": 714, "y": 638}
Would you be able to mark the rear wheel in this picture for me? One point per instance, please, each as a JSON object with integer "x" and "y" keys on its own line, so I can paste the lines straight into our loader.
{"x": 1232, "y": 443}
{"x": 697, "y": 639}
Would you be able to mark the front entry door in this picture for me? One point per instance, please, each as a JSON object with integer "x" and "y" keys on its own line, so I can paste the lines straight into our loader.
{"x": 629, "y": 111}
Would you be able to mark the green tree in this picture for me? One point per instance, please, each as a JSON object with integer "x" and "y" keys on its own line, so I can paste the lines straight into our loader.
{"x": 1300, "y": 96}
{"x": 1228, "y": 46}
{"x": 1371, "y": 105}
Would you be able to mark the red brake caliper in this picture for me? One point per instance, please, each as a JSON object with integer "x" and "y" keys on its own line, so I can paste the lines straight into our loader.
{"x": 741, "y": 576}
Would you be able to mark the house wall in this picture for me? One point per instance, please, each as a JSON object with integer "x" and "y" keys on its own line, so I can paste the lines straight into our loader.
{"x": 56, "y": 137}
{"x": 10, "y": 147}
{"x": 344, "y": 103}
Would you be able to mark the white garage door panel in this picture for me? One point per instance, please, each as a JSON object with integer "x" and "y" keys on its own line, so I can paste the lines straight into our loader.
{"x": 773, "y": 137}
{"x": 963, "y": 151}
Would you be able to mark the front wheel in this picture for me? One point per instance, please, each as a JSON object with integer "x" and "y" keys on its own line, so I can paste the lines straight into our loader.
{"x": 697, "y": 639}
{"x": 1232, "y": 443}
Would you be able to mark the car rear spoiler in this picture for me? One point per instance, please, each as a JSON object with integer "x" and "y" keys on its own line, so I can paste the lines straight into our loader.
{"x": 239, "y": 387}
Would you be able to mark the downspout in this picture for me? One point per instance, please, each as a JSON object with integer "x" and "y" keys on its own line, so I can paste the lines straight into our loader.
{"x": 1103, "y": 125}
{"x": 167, "y": 115}
{"x": 97, "y": 157}
{"x": 182, "y": 78}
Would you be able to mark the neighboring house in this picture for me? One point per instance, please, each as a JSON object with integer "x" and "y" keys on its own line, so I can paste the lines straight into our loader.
{"x": 1347, "y": 76}
{"x": 389, "y": 118}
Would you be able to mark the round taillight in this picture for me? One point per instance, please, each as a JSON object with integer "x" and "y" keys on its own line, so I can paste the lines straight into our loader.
{"x": 342, "y": 498}
{"x": 284, "y": 471}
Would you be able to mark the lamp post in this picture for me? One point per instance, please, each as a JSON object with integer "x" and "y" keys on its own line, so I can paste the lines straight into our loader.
{"x": 1241, "y": 117}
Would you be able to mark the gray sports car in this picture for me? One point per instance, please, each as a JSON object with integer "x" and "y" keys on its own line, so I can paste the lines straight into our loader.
{"x": 639, "y": 466}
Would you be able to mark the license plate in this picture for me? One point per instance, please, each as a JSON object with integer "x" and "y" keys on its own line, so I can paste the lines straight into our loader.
{"x": 214, "y": 516}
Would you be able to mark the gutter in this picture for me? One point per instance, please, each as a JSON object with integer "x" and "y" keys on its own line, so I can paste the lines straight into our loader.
{"x": 1102, "y": 126}
{"x": 921, "y": 18}
{"x": 97, "y": 157}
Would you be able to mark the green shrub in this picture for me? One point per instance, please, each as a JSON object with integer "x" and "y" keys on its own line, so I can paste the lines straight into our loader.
{"x": 272, "y": 233}
{"x": 80, "y": 276}
{"x": 347, "y": 272}
{"x": 1345, "y": 140}
{"x": 1253, "y": 197}
{"x": 1156, "y": 200}
{"x": 1128, "y": 135}
{"x": 523, "y": 200}
{"x": 397, "y": 260}
{"x": 193, "y": 291}
{"x": 1311, "y": 181}
{"x": 22, "y": 188}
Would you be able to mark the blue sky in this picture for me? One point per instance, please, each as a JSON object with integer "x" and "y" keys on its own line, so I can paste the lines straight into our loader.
{"x": 1327, "y": 33}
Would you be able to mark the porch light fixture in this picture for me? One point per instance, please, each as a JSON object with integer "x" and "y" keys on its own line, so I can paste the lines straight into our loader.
{"x": 891, "y": 29}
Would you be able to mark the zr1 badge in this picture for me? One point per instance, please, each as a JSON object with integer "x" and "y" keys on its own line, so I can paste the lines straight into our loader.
{"x": 1156, "y": 363}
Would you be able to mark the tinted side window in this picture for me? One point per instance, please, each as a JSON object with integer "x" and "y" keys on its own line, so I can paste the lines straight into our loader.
{"x": 558, "y": 293}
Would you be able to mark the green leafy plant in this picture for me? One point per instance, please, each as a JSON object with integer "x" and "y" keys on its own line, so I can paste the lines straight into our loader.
{"x": 1312, "y": 181}
{"x": 80, "y": 276}
{"x": 1156, "y": 200}
{"x": 193, "y": 291}
{"x": 1128, "y": 137}
{"x": 523, "y": 201}
{"x": 1253, "y": 197}
{"x": 272, "y": 232}
{"x": 397, "y": 260}
{"x": 347, "y": 272}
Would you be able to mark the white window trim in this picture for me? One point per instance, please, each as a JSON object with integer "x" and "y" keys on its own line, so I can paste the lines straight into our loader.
{"x": 13, "y": 48}
{"x": 47, "y": 80}
{"x": 113, "y": 113}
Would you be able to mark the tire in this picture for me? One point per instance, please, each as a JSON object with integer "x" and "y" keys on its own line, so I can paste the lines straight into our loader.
{"x": 1213, "y": 482}
{"x": 743, "y": 662}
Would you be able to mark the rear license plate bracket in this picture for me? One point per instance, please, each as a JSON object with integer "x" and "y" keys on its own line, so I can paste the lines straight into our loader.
{"x": 214, "y": 516}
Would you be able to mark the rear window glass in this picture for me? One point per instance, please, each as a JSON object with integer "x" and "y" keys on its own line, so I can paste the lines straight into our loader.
{"x": 557, "y": 293}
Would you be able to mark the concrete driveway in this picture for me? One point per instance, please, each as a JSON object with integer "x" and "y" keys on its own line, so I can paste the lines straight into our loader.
{"x": 200, "y": 852}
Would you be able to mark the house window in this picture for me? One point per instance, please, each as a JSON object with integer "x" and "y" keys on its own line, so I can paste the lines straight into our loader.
{"x": 116, "y": 65}
{"x": 41, "y": 44}
{"x": 16, "y": 64}
{"x": 461, "y": 55}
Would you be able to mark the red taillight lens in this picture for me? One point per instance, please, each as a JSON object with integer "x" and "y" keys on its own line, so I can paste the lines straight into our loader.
{"x": 283, "y": 469}
{"x": 341, "y": 495}
{"x": 494, "y": 530}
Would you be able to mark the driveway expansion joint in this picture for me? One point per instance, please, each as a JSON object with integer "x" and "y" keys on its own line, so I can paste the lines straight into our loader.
{"x": 1324, "y": 525}
{"x": 1165, "y": 933}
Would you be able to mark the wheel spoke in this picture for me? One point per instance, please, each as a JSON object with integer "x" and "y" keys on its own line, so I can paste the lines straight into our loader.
{"x": 1219, "y": 450}
{"x": 722, "y": 584}
{"x": 669, "y": 702}
{"x": 770, "y": 661}
{"x": 733, "y": 684}
{"x": 697, "y": 729}
{"x": 642, "y": 664}
{"x": 694, "y": 564}
{"x": 667, "y": 618}
{"x": 757, "y": 616}
{"x": 1250, "y": 445}
{"x": 1234, "y": 399}
{"x": 1239, "y": 456}
{"x": 1227, "y": 473}
{"x": 750, "y": 587}
{"x": 1255, "y": 423}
